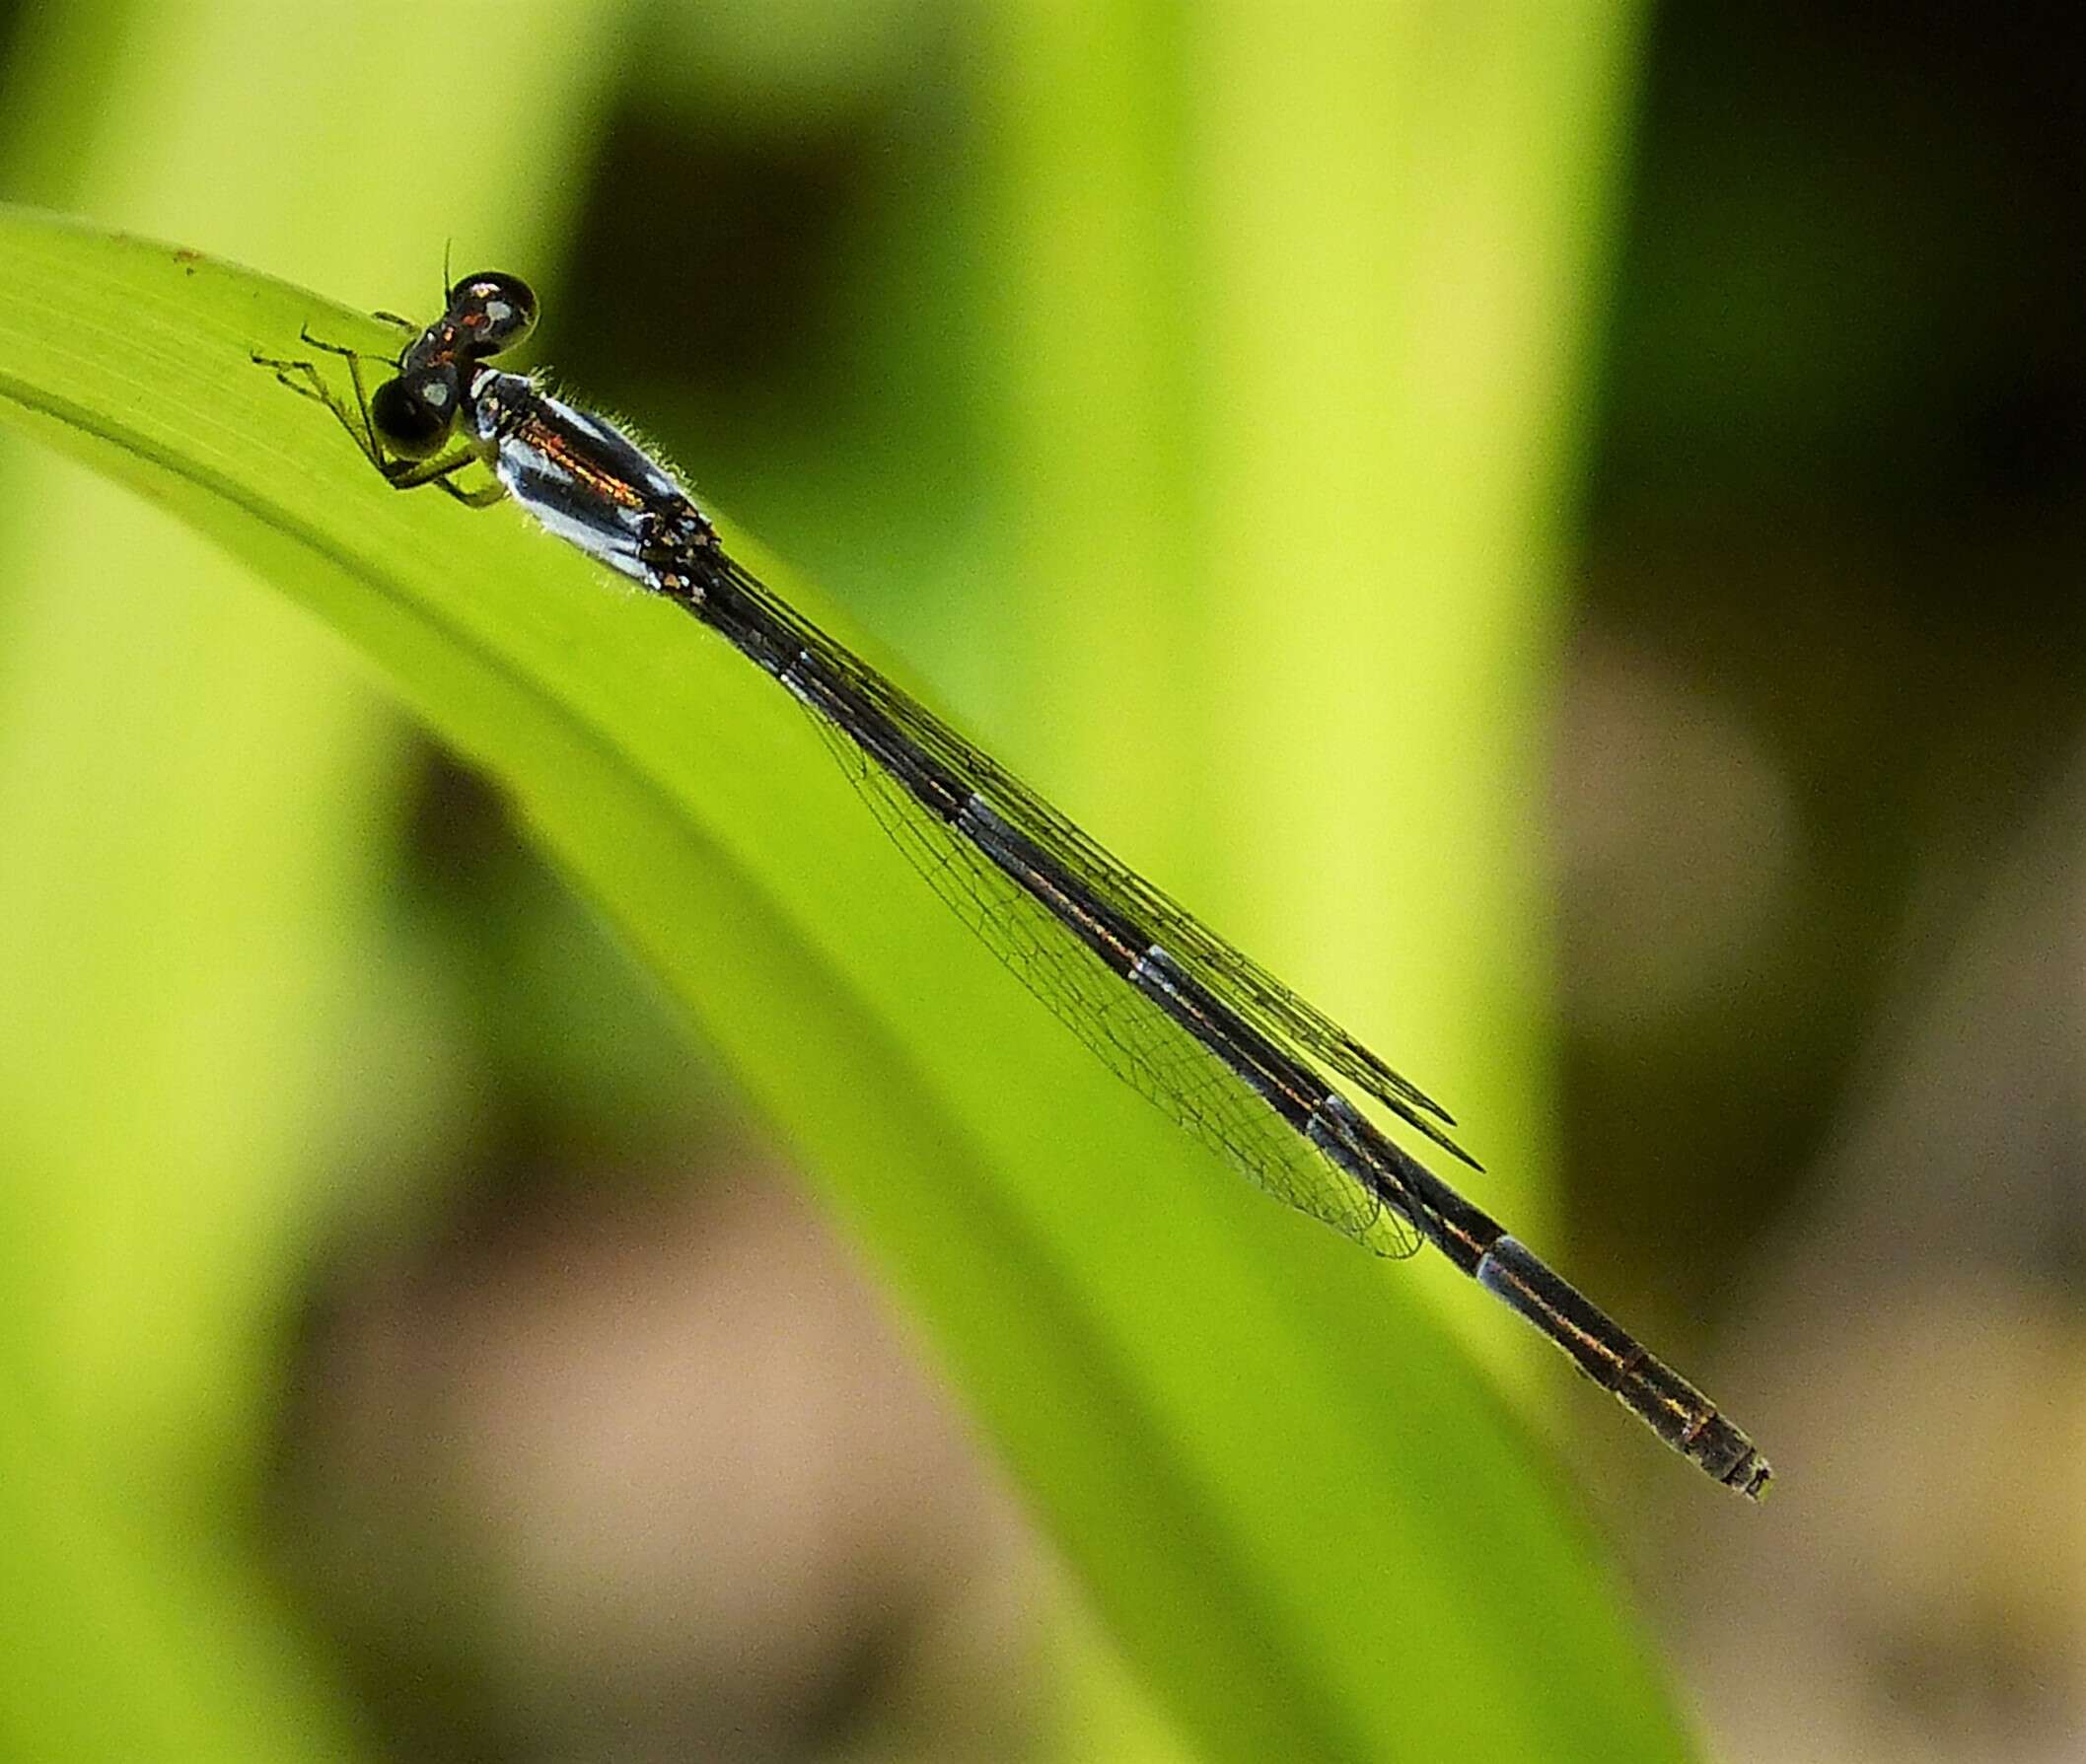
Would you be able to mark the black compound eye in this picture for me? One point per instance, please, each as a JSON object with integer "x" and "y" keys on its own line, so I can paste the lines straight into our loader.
{"x": 414, "y": 413}
{"x": 494, "y": 311}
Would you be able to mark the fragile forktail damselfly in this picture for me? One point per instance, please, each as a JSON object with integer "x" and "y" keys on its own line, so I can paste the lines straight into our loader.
{"x": 1195, "y": 1025}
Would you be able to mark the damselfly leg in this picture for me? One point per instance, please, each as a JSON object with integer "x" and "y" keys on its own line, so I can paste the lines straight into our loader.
{"x": 302, "y": 376}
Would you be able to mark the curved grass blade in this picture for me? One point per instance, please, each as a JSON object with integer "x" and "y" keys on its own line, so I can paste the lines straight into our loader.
{"x": 1300, "y": 1511}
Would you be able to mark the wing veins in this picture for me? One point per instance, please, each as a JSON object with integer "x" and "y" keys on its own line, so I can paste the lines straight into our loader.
{"x": 1286, "y": 1020}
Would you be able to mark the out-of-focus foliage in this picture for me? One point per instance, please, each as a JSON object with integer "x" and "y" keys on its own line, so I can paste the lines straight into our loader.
{"x": 1215, "y": 1409}
{"x": 405, "y": 1348}
{"x": 692, "y": 803}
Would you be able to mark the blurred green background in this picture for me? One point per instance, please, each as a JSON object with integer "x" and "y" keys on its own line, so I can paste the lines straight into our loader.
{"x": 1553, "y": 526}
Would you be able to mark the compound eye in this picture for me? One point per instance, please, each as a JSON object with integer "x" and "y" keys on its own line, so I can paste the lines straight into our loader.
{"x": 414, "y": 412}
{"x": 494, "y": 311}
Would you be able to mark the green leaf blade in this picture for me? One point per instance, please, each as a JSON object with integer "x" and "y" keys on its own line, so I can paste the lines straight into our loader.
{"x": 1304, "y": 1514}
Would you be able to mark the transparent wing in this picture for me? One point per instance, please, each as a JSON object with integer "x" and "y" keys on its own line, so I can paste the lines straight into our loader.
{"x": 1136, "y": 1040}
{"x": 1128, "y": 1030}
{"x": 1233, "y": 976}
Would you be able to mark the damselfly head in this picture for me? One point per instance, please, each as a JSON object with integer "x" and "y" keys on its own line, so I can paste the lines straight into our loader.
{"x": 492, "y": 312}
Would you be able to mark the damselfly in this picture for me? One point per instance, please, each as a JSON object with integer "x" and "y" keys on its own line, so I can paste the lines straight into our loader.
{"x": 1216, "y": 1040}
